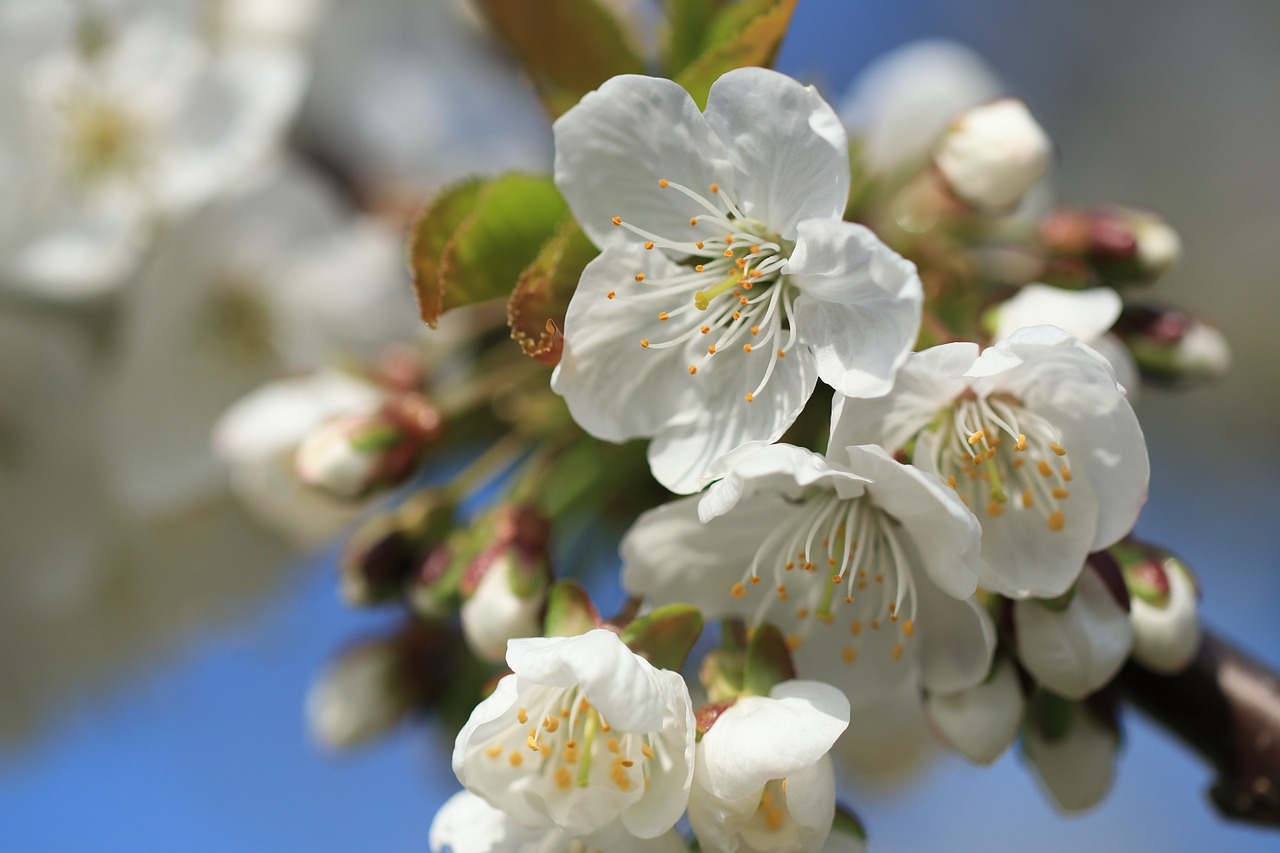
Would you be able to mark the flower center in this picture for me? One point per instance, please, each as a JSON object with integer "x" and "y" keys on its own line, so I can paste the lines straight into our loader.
{"x": 573, "y": 745}
{"x": 732, "y": 276}
{"x": 836, "y": 560}
{"x": 102, "y": 139}
{"x": 1000, "y": 456}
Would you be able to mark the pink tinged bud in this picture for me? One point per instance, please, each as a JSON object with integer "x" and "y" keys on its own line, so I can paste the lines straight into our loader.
{"x": 1173, "y": 347}
{"x": 381, "y": 558}
{"x": 495, "y": 613}
{"x": 992, "y": 154}
{"x": 1122, "y": 245}
{"x": 1164, "y": 610}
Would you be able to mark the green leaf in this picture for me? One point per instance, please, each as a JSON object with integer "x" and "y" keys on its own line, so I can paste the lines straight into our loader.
{"x": 665, "y": 636}
{"x": 568, "y": 47}
{"x": 471, "y": 244}
{"x": 538, "y": 304}
{"x": 768, "y": 661}
{"x": 688, "y": 24}
{"x": 746, "y": 33}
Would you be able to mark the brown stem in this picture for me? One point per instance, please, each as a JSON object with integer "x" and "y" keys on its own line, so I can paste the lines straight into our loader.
{"x": 1226, "y": 706}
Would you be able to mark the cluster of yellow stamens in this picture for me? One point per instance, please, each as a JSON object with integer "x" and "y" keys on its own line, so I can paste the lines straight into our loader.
{"x": 836, "y": 560}
{"x": 719, "y": 273}
{"x": 1000, "y": 457}
{"x": 573, "y": 745}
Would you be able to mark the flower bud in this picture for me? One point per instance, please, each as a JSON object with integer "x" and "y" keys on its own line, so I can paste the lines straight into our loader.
{"x": 362, "y": 694}
{"x": 382, "y": 555}
{"x": 1074, "y": 646}
{"x": 982, "y": 722}
{"x": 1163, "y": 609}
{"x": 1121, "y": 244}
{"x": 992, "y": 154}
{"x": 353, "y": 455}
{"x": 1072, "y": 746}
{"x": 505, "y": 585}
{"x": 1173, "y": 347}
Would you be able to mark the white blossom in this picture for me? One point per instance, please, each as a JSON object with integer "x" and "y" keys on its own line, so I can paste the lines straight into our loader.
{"x": 1034, "y": 434}
{"x": 728, "y": 282}
{"x": 993, "y": 154}
{"x": 1167, "y": 633}
{"x": 583, "y": 733}
{"x": 764, "y": 780}
{"x": 866, "y": 566}
{"x": 1076, "y": 764}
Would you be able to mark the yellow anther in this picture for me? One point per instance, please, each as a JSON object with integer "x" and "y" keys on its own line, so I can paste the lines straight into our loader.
{"x": 523, "y": 716}
{"x": 613, "y": 746}
{"x": 531, "y": 742}
{"x": 742, "y": 300}
{"x": 750, "y": 398}
{"x": 1057, "y": 520}
{"x": 662, "y": 182}
{"x": 1044, "y": 469}
{"x": 644, "y": 342}
{"x": 1061, "y": 493}
{"x": 755, "y": 249}
{"x": 639, "y": 276}
{"x": 994, "y": 509}
{"x": 1058, "y": 449}
{"x": 737, "y": 315}
{"x": 570, "y": 754}
{"x": 494, "y": 751}
{"x": 705, "y": 329}
{"x": 1019, "y": 462}
{"x": 648, "y": 244}
{"x": 755, "y": 330}
{"x": 773, "y": 818}
{"x": 793, "y": 642}
{"x": 664, "y": 316}
{"x": 755, "y": 579}
{"x": 836, "y": 578}
{"x": 545, "y": 749}
{"x": 856, "y": 627}
{"x": 976, "y": 437}
{"x": 1066, "y": 473}
{"x": 711, "y": 350}
{"x": 738, "y": 591}
{"x": 611, "y": 294}
{"x": 551, "y": 724}
{"x": 802, "y": 613}
{"x": 951, "y": 480}
{"x": 1022, "y": 442}
{"x": 715, "y": 188}
{"x": 848, "y": 654}
{"x": 617, "y": 220}
{"x": 646, "y": 751}
{"x": 781, "y": 354}
{"x": 563, "y": 779}
{"x": 909, "y": 628}
{"x": 746, "y": 347}
{"x": 693, "y": 220}
{"x": 700, "y": 245}
{"x": 515, "y": 759}
{"x": 626, "y": 762}
{"x": 896, "y": 653}
{"x": 728, "y": 253}
{"x": 875, "y": 624}
{"x": 1027, "y": 498}
{"x": 699, "y": 267}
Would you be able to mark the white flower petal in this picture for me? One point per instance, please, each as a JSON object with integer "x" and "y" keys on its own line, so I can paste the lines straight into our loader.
{"x": 759, "y": 738}
{"x": 787, "y": 145}
{"x": 1087, "y": 314}
{"x": 612, "y": 148}
{"x": 957, "y": 640}
{"x": 723, "y": 421}
{"x": 983, "y": 721}
{"x": 468, "y": 824}
{"x": 927, "y": 382}
{"x": 1077, "y": 768}
{"x": 615, "y": 388}
{"x": 1166, "y": 639}
{"x": 859, "y": 307}
{"x": 1076, "y": 651}
{"x": 781, "y": 469}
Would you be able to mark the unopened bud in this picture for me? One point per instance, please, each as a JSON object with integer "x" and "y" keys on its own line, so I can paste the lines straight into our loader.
{"x": 981, "y": 722}
{"x": 1164, "y": 610}
{"x": 1173, "y": 347}
{"x": 570, "y": 611}
{"x": 991, "y": 155}
{"x": 505, "y": 585}
{"x": 362, "y": 694}
{"x": 1074, "y": 646}
{"x": 353, "y": 455}
{"x": 1121, "y": 244}
{"x": 666, "y": 635}
{"x": 382, "y": 555}
{"x": 1073, "y": 749}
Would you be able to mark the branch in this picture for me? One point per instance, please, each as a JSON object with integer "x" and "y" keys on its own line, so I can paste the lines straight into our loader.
{"x": 1226, "y": 706}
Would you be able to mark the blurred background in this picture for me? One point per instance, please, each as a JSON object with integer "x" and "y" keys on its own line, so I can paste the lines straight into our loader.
{"x": 163, "y": 611}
